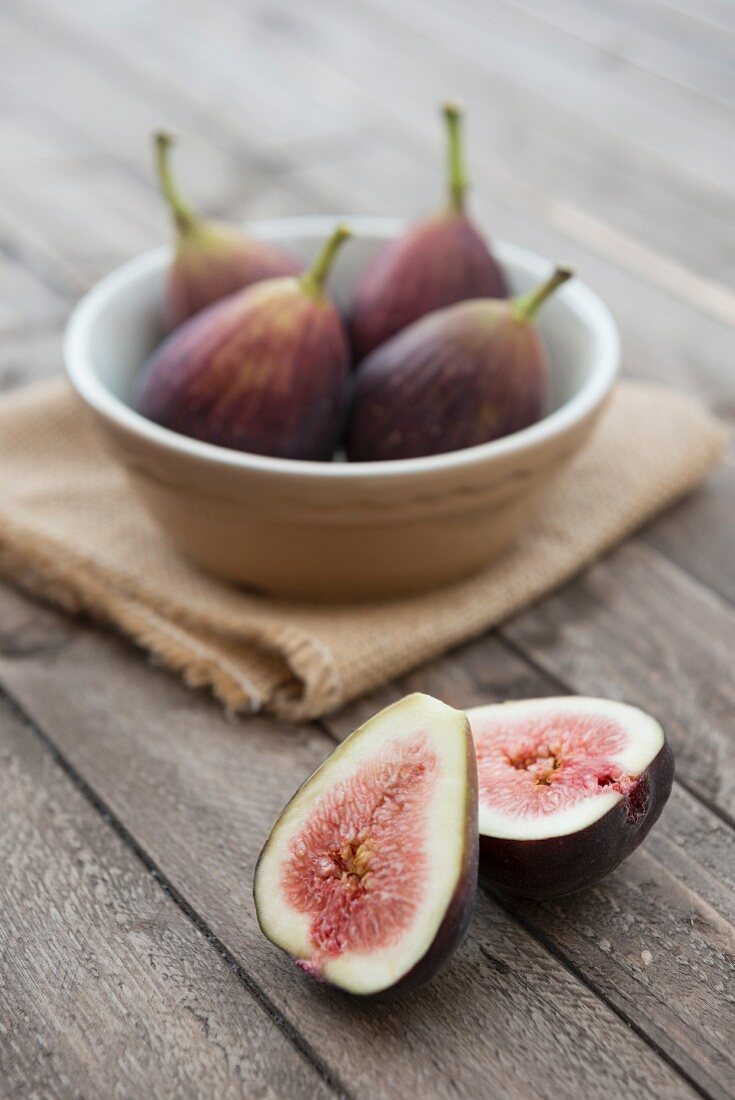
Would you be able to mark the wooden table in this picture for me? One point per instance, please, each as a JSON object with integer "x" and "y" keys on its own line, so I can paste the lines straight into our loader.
{"x": 132, "y": 810}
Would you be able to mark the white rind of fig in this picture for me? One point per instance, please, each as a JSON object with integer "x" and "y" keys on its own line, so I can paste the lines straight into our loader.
{"x": 368, "y": 877}
{"x": 568, "y": 788}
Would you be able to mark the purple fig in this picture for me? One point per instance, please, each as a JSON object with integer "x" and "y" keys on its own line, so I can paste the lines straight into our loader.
{"x": 368, "y": 877}
{"x": 464, "y": 375}
{"x": 569, "y": 787}
{"x": 264, "y": 370}
{"x": 210, "y": 260}
{"x": 435, "y": 263}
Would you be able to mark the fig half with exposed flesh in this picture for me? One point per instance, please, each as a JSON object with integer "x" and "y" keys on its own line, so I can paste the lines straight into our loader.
{"x": 568, "y": 788}
{"x": 368, "y": 877}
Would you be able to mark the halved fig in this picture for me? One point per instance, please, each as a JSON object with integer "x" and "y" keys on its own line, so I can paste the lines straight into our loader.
{"x": 368, "y": 877}
{"x": 568, "y": 788}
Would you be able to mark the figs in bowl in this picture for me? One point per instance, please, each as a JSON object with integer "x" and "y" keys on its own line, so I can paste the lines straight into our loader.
{"x": 337, "y": 530}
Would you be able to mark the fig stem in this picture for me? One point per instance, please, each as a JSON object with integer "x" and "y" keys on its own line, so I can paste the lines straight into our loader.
{"x": 457, "y": 179}
{"x": 526, "y": 307}
{"x": 184, "y": 217}
{"x": 313, "y": 280}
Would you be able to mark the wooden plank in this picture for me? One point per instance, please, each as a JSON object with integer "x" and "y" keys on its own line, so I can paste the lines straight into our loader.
{"x": 564, "y": 157}
{"x": 692, "y": 59}
{"x": 199, "y": 793}
{"x": 715, "y": 14}
{"x": 578, "y": 125}
{"x": 657, "y": 937}
{"x": 522, "y": 51}
{"x": 225, "y": 96}
{"x": 699, "y": 533}
{"x": 28, "y": 357}
{"x": 26, "y": 301}
{"x": 107, "y": 988}
{"x": 79, "y": 197}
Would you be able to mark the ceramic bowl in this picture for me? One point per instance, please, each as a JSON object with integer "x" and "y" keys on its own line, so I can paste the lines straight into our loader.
{"x": 337, "y": 530}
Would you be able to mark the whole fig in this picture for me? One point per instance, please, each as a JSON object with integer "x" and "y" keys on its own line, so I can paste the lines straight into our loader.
{"x": 460, "y": 376}
{"x": 441, "y": 260}
{"x": 210, "y": 260}
{"x": 264, "y": 370}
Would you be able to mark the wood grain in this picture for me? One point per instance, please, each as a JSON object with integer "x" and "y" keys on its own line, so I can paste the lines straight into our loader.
{"x": 590, "y": 142}
{"x": 583, "y": 164}
{"x": 199, "y": 794}
{"x": 104, "y": 981}
{"x": 699, "y": 533}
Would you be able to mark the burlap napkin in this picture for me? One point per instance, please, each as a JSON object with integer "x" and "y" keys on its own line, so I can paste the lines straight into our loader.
{"x": 71, "y": 531}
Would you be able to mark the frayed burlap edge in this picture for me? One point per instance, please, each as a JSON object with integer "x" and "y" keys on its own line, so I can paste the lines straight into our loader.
{"x": 309, "y": 685}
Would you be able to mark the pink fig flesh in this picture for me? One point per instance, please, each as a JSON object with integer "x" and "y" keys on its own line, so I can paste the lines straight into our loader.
{"x": 568, "y": 788}
{"x": 263, "y": 371}
{"x": 434, "y": 264}
{"x": 368, "y": 877}
{"x": 211, "y": 260}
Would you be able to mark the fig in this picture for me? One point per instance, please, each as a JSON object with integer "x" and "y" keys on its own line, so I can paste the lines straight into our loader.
{"x": 264, "y": 370}
{"x": 461, "y": 376}
{"x": 368, "y": 877}
{"x": 210, "y": 260}
{"x": 568, "y": 788}
{"x": 441, "y": 260}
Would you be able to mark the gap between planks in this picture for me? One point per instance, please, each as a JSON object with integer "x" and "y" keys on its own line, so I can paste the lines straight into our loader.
{"x": 166, "y": 694}
{"x": 166, "y": 886}
{"x": 707, "y": 296}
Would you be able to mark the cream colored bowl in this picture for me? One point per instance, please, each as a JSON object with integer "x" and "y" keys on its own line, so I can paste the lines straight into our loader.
{"x": 336, "y": 530}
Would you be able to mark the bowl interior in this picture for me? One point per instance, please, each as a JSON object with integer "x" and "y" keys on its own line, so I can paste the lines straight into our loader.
{"x": 123, "y": 315}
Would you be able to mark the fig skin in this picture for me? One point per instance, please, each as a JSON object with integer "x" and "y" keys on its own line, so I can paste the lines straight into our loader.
{"x": 434, "y": 264}
{"x": 262, "y": 371}
{"x": 211, "y": 260}
{"x": 453, "y": 928}
{"x": 561, "y": 865}
{"x": 462, "y": 376}
{"x": 441, "y": 260}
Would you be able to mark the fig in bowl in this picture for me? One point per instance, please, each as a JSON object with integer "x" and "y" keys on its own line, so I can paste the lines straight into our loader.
{"x": 368, "y": 877}
{"x": 439, "y": 261}
{"x": 210, "y": 259}
{"x": 264, "y": 370}
{"x": 461, "y": 376}
{"x": 337, "y": 530}
{"x": 568, "y": 788}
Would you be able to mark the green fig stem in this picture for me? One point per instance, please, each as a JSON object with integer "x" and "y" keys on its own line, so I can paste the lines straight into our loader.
{"x": 184, "y": 217}
{"x": 313, "y": 280}
{"x": 526, "y": 307}
{"x": 457, "y": 179}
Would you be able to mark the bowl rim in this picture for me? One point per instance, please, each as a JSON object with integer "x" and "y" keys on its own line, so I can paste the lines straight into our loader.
{"x": 578, "y": 295}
